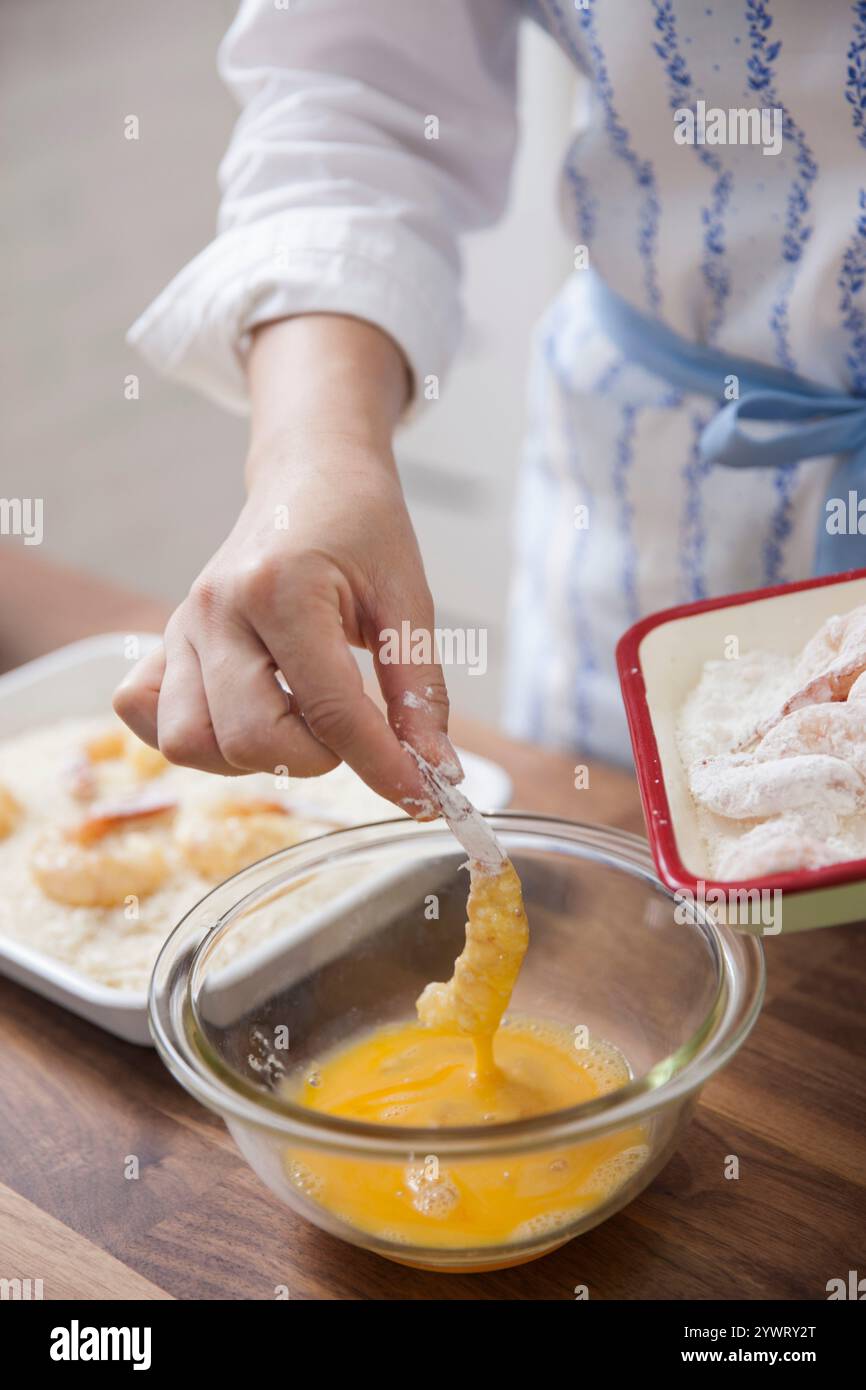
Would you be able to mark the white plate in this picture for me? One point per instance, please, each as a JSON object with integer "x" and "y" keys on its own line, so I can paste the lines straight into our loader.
{"x": 78, "y": 680}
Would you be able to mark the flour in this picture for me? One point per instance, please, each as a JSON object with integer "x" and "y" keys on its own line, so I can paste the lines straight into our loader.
{"x": 797, "y": 798}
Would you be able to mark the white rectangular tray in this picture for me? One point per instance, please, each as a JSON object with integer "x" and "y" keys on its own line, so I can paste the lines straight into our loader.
{"x": 78, "y": 680}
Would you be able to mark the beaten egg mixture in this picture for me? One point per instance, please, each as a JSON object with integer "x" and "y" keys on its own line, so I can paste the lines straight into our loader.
{"x": 460, "y": 1064}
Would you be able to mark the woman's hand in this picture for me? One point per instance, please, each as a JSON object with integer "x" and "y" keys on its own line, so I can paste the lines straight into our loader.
{"x": 322, "y": 557}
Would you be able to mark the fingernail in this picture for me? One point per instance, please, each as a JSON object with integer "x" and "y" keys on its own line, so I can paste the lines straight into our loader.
{"x": 420, "y": 808}
{"x": 447, "y": 760}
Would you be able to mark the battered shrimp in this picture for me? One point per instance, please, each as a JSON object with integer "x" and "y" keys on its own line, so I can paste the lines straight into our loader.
{"x": 829, "y": 666}
{"x": 81, "y": 780}
{"x": 220, "y": 840}
{"x": 837, "y": 650}
{"x": 146, "y": 762}
{"x": 741, "y": 788}
{"x": 837, "y": 730}
{"x": 111, "y": 758}
{"x": 106, "y": 817}
{"x": 10, "y": 812}
{"x": 104, "y": 859}
{"x": 497, "y": 935}
{"x": 105, "y": 747}
{"x": 800, "y": 778}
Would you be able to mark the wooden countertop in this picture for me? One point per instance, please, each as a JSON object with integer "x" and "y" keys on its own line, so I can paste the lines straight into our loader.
{"x": 199, "y": 1225}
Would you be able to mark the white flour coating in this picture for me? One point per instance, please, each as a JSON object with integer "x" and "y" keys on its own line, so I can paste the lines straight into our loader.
{"x": 413, "y": 701}
{"x": 797, "y": 798}
{"x": 466, "y": 824}
{"x": 421, "y": 807}
{"x": 101, "y": 942}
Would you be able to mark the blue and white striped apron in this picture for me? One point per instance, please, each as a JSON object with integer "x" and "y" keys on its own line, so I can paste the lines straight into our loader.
{"x": 622, "y": 507}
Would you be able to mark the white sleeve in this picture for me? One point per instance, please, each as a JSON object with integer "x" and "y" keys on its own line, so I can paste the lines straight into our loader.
{"x": 335, "y": 196}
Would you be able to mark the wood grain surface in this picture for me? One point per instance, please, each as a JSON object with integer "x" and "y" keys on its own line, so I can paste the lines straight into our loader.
{"x": 197, "y": 1223}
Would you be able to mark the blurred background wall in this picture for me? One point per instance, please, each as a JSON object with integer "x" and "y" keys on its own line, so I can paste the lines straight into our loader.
{"x": 95, "y": 224}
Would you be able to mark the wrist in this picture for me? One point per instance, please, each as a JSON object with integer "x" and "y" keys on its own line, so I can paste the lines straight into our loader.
{"x": 310, "y": 455}
{"x": 323, "y": 377}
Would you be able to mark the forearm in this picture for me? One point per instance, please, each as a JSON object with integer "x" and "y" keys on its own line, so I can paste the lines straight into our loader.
{"x": 322, "y": 557}
{"x": 320, "y": 375}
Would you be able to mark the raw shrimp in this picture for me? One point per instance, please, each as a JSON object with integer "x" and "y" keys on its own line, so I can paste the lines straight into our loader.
{"x": 837, "y": 730}
{"x": 829, "y": 666}
{"x": 106, "y": 858}
{"x": 220, "y": 840}
{"x": 497, "y": 935}
{"x": 742, "y": 788}
{"x": 10, "y": 812}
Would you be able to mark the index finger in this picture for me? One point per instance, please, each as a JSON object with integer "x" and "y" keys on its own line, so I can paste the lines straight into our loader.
{"x": 325, "y": 680}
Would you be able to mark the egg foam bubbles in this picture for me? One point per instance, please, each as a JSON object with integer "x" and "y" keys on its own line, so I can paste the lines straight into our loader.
{"x": 413, "y": 1075}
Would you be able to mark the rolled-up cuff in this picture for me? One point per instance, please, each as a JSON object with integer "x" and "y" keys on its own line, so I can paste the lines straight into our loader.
{"x": 197, "y": 330}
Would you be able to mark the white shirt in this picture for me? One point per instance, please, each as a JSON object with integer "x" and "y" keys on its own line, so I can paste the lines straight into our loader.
{"x": 334, "y": 196}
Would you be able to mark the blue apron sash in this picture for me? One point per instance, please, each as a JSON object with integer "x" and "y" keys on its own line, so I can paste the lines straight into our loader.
{"x": 813, "y": 420}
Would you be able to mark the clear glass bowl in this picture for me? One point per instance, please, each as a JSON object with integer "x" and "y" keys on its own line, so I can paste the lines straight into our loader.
{"x": 329, "y": 939}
